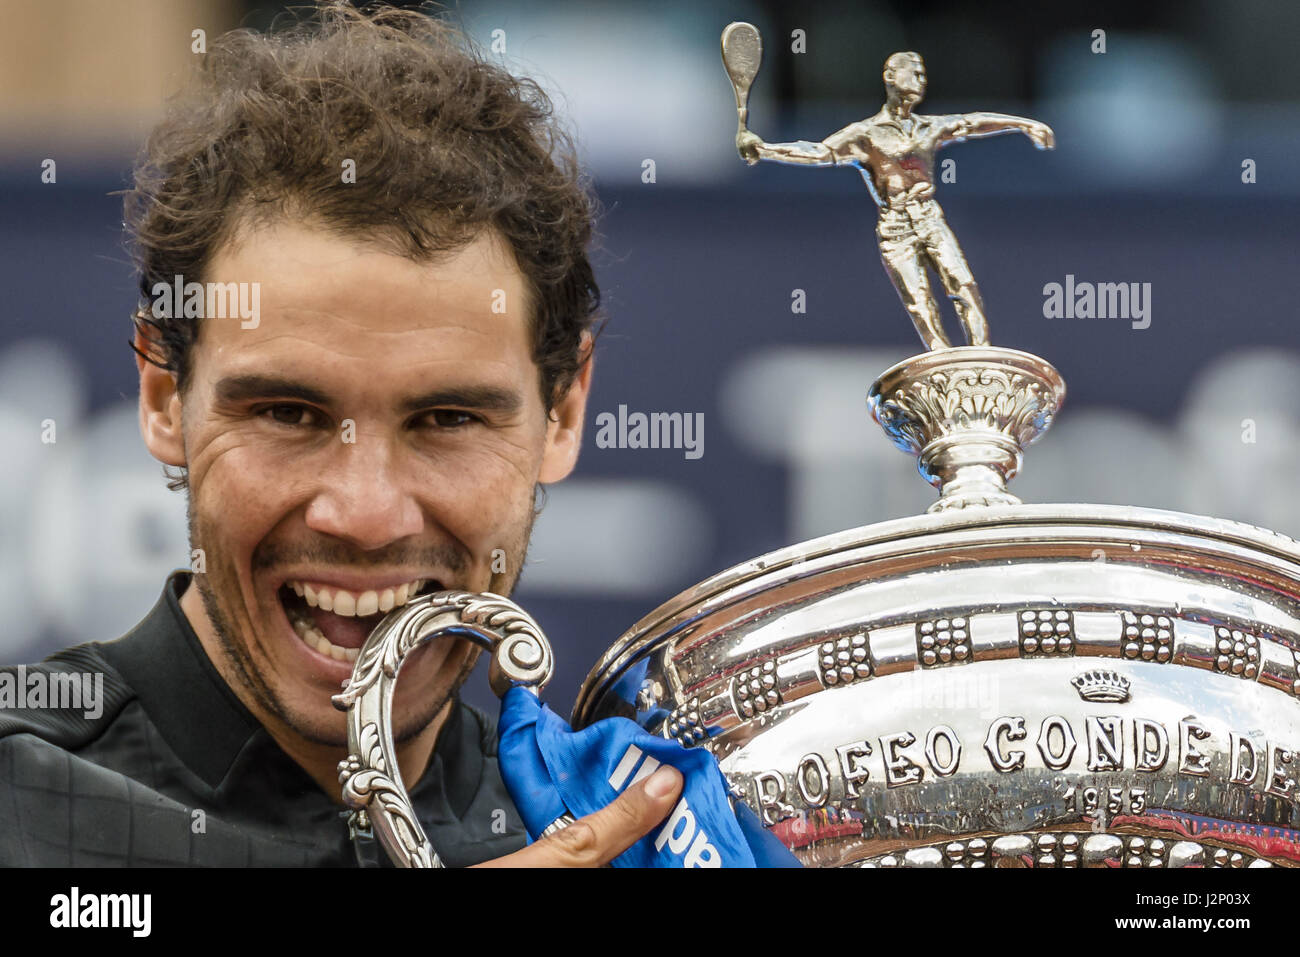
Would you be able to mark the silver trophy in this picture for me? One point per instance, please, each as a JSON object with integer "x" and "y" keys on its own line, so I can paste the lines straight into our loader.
{"x": 990, "y": 684}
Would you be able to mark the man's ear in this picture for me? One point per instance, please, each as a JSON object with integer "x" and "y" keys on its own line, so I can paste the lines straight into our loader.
{"x": 160, "y": 407}
{"x": 564, "y": 430}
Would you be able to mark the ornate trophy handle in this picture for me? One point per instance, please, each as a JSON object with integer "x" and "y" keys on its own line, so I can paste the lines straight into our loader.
{"x": 371, "y": 780}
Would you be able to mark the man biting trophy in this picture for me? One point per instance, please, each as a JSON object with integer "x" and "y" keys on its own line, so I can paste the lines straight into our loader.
{"x": 414, "y": 219}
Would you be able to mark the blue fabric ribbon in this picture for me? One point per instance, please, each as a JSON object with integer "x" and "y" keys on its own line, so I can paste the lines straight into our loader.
{"x": 548, "y": 769}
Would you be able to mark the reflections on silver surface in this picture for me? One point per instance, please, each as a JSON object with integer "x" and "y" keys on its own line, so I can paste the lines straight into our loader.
{"x": 894, "y": 692}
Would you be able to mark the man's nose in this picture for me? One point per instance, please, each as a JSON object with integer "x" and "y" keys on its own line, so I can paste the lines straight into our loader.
{"x": 363, "y": 498}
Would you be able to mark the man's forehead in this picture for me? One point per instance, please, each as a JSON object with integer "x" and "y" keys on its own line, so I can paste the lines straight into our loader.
{"x": 447, "y": 371}
{"x": 329, "y": 299}
{"x": 318, "y": 262}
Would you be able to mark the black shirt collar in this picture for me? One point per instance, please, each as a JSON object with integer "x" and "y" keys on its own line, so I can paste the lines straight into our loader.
{"x": 189, "y": 702}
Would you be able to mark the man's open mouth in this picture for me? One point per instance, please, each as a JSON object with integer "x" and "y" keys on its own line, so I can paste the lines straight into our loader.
{"x": 335, "y": 621}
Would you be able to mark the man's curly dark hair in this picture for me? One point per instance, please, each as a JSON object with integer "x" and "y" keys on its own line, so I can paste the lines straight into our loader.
{"x": 445, "y": 144}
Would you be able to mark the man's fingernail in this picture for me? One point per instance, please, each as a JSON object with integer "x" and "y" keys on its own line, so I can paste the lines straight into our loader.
{"x": 663, "y": 781}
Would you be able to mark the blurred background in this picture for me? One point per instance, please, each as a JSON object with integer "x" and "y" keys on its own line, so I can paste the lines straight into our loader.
{"x": 1176, "y": 166}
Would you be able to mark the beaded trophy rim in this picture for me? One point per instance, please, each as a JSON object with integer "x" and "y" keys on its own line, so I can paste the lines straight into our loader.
{"x": 1238, "y": 541}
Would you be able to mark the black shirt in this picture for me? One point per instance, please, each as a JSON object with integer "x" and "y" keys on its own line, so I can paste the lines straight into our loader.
{"x": 176, "y": 771}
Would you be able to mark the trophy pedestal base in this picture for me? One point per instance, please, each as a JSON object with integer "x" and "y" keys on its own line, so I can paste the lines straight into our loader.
{"x": 967, "y": 413}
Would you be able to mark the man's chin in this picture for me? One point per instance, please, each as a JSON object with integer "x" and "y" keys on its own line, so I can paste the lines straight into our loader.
{"x": 330, "y": 736}
{"x": 413, "y": 709}
{"x": 334, "y": 734}
{"x": 330, "y": 729}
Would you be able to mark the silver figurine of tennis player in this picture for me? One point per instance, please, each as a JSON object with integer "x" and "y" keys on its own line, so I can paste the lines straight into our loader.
{"x": 966, "y": 412}
{"x": 894, "y": 150}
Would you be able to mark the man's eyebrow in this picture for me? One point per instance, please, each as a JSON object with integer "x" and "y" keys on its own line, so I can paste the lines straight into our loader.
{"x": 488, "y": 398}
{"x": 240, "y": 388}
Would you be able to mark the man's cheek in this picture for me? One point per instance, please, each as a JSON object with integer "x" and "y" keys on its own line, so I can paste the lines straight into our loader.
{"x": 487, "y": 497}
{"x": 235, "y": 511}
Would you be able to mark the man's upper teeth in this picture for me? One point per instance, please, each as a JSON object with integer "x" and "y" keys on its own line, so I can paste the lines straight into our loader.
{"x": 358, "y": 604}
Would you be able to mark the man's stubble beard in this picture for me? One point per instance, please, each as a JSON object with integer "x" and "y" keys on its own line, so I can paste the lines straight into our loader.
{"x": 252, "y": 680}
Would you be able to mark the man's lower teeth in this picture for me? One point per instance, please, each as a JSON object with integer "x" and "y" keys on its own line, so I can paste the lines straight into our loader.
{"x": 313, "y": 638}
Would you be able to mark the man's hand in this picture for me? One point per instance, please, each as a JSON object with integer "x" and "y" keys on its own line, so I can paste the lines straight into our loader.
{"x": 747, "y": 145}
{"x": 1041, "y": 135}
{"x": 598, "y": 838}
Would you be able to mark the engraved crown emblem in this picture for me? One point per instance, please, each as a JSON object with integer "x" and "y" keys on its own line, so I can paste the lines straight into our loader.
{"x": 1101, "y": 685}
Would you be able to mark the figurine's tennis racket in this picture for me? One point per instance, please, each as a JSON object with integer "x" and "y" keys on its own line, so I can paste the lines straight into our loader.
{"x": 742, "y": 53}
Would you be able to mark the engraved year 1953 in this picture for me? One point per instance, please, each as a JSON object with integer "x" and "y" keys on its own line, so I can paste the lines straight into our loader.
{"x": 1090, "y": 799}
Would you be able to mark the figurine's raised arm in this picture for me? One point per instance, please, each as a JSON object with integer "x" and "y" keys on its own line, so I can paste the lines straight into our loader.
{"x": 966, "y": 126}
{"x": 799, "y": 153}
{"x": 742, "y": 52}
{"x": 828, "y": 152}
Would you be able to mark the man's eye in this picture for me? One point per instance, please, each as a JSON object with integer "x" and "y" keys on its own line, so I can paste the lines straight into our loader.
{"x": 451, "y": 418}
{"x": 291, "y": 414}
